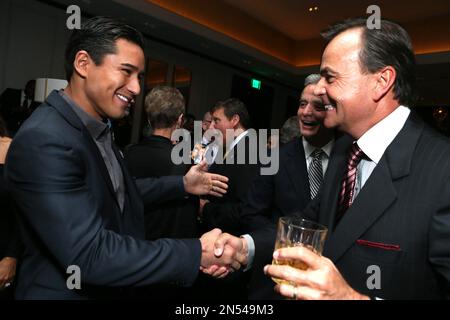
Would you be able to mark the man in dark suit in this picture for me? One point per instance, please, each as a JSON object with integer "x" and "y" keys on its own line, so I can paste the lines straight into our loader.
{"x": 81, "y": 212}
{"x": 239, "y": 163}
{"x": 386, "y": 199}
{"x": 289, "y": 190}
{"x": 230, "y": 120}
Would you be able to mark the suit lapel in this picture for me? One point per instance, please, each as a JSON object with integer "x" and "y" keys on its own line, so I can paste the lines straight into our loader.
{"x": 296, "y": 171}
{"x": 57, "y": 102}
{"x": 372, "y": 201}
{"x": 100, "y": 162}
{"x": 377, "y": 195}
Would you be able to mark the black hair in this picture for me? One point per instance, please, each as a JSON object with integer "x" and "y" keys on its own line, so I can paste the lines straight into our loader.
{"x": 98, "y": 37}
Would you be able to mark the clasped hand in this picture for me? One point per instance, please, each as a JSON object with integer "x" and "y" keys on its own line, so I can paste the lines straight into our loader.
{"x": 222, "y": 253}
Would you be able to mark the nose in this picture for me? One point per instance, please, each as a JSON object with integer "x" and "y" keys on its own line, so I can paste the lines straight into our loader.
{"x": 319, "y": 89}
{"x": 211, "y": 125}
{"x": 308, "y": 109}
{"x": 134, "y": 86}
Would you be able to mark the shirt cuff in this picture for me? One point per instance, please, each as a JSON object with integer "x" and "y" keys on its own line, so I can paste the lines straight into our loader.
{"x": 251, "y": 251}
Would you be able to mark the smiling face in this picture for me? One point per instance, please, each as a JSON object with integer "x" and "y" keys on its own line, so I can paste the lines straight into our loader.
{"x": 311, "y": 117}
{"x": 111, "y": 87}
{"x": 344, "y": 86}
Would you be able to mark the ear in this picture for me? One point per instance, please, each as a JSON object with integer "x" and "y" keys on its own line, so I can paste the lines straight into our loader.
{"x": 384, "y": 82}
{"x": 235, "y": 119}
{"x": 81, "y": 63}
{"x": 180, "y": 121}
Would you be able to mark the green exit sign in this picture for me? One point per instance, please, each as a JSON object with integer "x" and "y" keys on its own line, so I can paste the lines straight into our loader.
{"x": 256, "y": 84}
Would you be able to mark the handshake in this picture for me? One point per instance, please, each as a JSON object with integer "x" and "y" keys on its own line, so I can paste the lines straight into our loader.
{"x": 222, "y": 253}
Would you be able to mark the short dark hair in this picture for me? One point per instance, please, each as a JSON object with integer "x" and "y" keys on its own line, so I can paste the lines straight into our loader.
{"x": 98, "y": 37}
{"x": 388, "y": 46}
{"x": 231, "y": 107}
{"x": 163, "y": 106}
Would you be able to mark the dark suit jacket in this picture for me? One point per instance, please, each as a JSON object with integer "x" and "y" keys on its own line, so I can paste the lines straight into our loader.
{"x": 284, "y": 194}
{"x": 400, "y": 220}
{"x": 225, "y": 212}
{"x": 70, "y": 215}
{"x": 174, "y": 219}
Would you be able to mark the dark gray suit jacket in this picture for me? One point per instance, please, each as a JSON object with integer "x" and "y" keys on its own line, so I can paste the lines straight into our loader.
{"x": 400, "y": 220}
{"x": 70, "y": 216}
{"x": 270, "y": 197}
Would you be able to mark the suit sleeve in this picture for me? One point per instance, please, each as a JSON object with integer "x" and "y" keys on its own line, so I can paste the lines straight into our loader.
{"x": 226, "y": 213}
{"x": 58, "y": 205}
{"x": 160, "y": 190}
{"x": 257, "y": 221}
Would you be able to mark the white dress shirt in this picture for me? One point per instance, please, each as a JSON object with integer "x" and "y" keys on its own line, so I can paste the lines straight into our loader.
{"x": 375, "y": 141}
{"x": 309, "y": 149}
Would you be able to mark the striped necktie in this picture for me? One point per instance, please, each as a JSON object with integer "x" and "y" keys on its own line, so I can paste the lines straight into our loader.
{"x": 349, "y": 181}
{"x": 315, "y": 172}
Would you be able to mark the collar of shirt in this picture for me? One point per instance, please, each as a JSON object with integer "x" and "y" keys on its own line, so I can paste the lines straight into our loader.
{"x": 95, "y": 127}
{"x": 375, "y": 141}
{"x": 310, "y": 148}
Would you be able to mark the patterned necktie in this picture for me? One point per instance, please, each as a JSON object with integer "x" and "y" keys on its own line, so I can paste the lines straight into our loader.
{"x": 315, "y": 172}
{"x": 349, "y": 181}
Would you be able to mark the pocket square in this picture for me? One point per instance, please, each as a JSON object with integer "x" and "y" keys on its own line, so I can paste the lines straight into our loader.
{"x": 379, "y": 245}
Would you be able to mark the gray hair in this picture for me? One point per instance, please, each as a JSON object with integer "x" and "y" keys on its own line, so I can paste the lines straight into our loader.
{"x": 312, "y": 79}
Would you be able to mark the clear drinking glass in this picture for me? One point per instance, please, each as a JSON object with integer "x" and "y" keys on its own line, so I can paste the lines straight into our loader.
{"x": 295, "y": 231}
